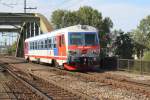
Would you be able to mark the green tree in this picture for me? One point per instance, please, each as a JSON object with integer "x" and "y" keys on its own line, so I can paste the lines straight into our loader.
{"x": 90, "y": 16}
{"x": 11, "y": 50}
{"x": 144, "y": 28}
{"x": 84, "y": 16}
{"x": 57, "y": 18}
{"x": 69, "y": 19}
{"x": 141, "y": 37}
{"x": 107, "y": 24}
{"x": 142, "y": 34}
{"x": 124, "y": 46}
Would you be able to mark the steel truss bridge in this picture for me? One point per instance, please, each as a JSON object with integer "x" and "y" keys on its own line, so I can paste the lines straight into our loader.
{"x": 26, "y": 25}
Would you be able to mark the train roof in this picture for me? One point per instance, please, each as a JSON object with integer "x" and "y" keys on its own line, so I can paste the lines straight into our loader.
{"x": 76, "y": 28}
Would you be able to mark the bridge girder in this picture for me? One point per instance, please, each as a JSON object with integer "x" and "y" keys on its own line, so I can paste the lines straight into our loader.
{"x": 17, "y": 30}
{"x": 16, "y": 19}
{"x": 26, "y": 24}
{"x": 16, "y": 22}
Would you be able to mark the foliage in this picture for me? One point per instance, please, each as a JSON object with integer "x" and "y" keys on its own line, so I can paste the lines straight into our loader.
{"x": 84, "y": 16}
{"x": 141, "y": 36}
{"x": 57, "y": 18}
{"x": 124, "y": 46}
{"x": 107, "y": 24}
{"x": 11, "y": 50}
{"x": 144, "y": 28}
{"x": 146, "y": 56}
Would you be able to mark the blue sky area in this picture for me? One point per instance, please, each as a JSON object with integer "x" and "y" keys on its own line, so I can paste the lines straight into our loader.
{"x": 125, "y": 14}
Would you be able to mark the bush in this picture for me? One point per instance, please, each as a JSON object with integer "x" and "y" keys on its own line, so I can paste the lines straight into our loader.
{"x": 109, "y": 63}
{"x": 146, "y": 56}
{"x": 12, "y": 49}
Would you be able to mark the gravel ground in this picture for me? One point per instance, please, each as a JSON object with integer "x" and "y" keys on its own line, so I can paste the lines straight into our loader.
{"x": 133, "y": 76}
{"x": 93, "y": 89}
{"x": 5, "y": 93}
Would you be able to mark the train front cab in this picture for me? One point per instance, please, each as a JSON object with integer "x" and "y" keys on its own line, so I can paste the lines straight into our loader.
{"x": 83, "y": 51}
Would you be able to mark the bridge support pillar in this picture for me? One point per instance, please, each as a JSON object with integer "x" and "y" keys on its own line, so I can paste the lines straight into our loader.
{"x": 30, "y": 29}
{"x": 20, "y": 45}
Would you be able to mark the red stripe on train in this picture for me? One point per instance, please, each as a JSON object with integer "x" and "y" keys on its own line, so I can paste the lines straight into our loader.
{"x": 48, "y": 57}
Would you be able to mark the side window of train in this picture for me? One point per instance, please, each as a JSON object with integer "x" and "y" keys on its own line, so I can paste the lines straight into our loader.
{"x": 42, "y": 44}
{"x": 38, "y": 45}
{"x": 45, "y": 43}
{"x": 35, "y": 45}
{"x": 63, "y": 40}
{"x": 60, "y": 41}
{"x": 54, "y": 42}
{"x": 30, "y": 45}
{"x": 49, "y": 43}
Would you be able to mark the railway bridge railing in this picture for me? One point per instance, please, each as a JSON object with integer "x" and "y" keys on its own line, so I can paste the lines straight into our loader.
{"x": 131, "y": 65}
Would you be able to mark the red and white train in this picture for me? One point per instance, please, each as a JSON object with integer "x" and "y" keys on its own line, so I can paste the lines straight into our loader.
{"x": 75, "y": 47}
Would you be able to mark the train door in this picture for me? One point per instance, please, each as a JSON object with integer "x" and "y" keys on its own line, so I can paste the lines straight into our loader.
{"x": 55, "y": 46}
{"x": 61, "y": 45}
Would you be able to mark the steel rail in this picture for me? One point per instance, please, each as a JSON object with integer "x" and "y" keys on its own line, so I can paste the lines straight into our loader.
{"x": 37, "y": 91}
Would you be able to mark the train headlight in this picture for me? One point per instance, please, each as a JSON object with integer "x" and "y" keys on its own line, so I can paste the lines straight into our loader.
{"x": 94, "y": 59}
{"x": 96, "y": 52}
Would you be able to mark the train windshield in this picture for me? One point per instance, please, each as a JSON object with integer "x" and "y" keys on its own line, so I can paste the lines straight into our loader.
{"x": 83, "y": 39}
{"x": 76, "y": 39}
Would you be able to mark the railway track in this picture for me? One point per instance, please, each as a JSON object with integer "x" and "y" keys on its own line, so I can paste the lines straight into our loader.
{"x": 14, "y": 89}
{"x": 43, "y": 90}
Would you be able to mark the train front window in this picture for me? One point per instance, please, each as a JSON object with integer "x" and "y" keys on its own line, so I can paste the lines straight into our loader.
{"x": 83, "y": 39}
{"x": 76, "y": 39}
{"x": 90, "y": 39}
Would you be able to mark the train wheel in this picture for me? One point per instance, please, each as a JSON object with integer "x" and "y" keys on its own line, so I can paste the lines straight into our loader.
{"x": 52, "y": 63}
{"x": 38, "y": 61}
{"x": 62, "y": 66}
{"x": 55, "y": 63}
{"x": 27, "y": 60}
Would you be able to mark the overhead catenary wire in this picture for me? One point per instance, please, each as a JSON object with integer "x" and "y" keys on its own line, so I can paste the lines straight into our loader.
{"x": 77, "y": 2}
{"x": 58, "y": 6}
{"x": 9, "y": 4}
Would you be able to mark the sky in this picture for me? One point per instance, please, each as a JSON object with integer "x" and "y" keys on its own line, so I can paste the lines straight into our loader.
{"x": 125, "y": 14}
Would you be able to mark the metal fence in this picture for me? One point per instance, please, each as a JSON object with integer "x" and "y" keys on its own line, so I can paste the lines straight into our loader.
{"x": 139, "y": 66}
